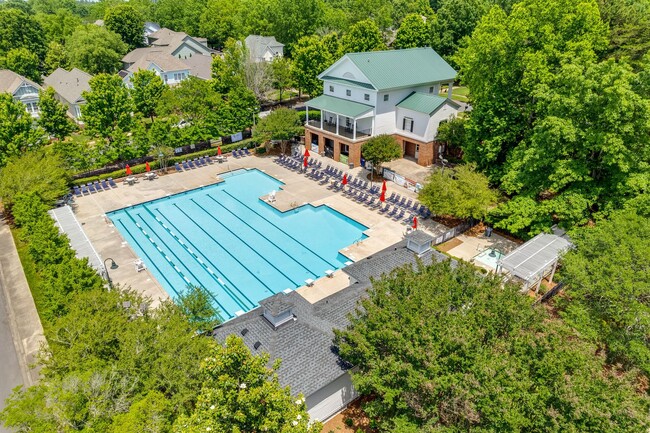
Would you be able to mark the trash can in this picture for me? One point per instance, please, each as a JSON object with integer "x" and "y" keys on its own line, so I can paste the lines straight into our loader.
{"x": 488, "y": 232}
{"x": 351, "y": 165}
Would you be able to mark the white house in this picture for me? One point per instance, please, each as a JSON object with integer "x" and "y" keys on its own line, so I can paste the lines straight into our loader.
{"x": 179, "y": 44}
{"x": 263, "y": 48}
{"x": 169, "y": 68}
{"x": 69, "y": 86}
{"x": 382, "y": 92}
{"x": 22, "y": 89}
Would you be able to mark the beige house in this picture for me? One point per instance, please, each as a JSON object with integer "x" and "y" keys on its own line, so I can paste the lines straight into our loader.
{"x": 69, "y": 87}
{"x": 22, "y": 90}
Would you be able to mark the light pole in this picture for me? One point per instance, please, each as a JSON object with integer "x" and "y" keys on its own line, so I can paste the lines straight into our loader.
{"x": 108, "y": 277}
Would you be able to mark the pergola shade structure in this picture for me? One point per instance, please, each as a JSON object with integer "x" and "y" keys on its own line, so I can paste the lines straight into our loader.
{"x": 534, "y": 260}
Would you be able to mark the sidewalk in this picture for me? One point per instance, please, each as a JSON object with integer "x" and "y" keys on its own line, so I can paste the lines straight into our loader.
{"x": 23, "y": 321}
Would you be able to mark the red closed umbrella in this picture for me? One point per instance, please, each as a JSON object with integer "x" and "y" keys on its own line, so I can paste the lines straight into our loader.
{"x": 128, "y": 170}
{"x": 306, "y": 152}
{"x": 382, "y": 197}
{"x": 415, "y": 223}
{"x": 305, "y": 162}
{"x": 383, "y": 186}
{"x": 219, "y": 150}
{"x": 345, "y": 179}
{"x": 147, "y": 167}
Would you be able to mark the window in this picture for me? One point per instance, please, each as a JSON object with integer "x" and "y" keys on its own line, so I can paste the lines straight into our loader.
{"x": 407, "y": 124}
{"x": 431, "y": 89}
{"x": 331, "y": 88}
{"x": 385, "y": 98}
{"x": 166, "y": 78}
{"x": 345, "y": 149}
{"x": 366, "y": 97}
{"x": 348, "y": 92}
{"x": 32, "y": 107}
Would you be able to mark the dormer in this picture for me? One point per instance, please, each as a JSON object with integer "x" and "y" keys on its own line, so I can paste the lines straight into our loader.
{"x": 278, "y": 310}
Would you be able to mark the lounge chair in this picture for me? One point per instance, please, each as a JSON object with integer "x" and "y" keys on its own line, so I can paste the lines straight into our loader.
{"x": 393, "y": 212}
{"x": 97, "y": 186}
{"x": 91, "y": 188}
{"x": 246, "y": 152}
{"x": 202, "y": 161}
{"x": 84, "y": 190}
{"x": 408, "y": 219}
{"x": 235, "y": 153}
{"x": 391, "y": 198}
{"x": 408, "y": 204}
{"x": 209, "y": 159}
{"x": 402, "y": 202}
{"x": 77, "y": 191}
{"x": 374, "y": 205}
{"x": 186, "y": 166}
{"x": 415, "y": 207}
{"x": 178, "y": 167}
{"x": 105, "y": 185}
{"x": 399, "y": 216}
{"x": 338, "y": 187}
{"x": 371, "y": 202}
{"x": 385, "y": 209}
{"x": 112, "y": 183}
{"x": 324, "y": 180}
{"x": 199, "y": 162}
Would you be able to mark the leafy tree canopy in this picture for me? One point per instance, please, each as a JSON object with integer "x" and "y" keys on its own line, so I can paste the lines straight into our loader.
{"x": 234, "y": 384}
{"x": 147, "y": 90}
{"x": 362, "y": 36}
{"x": 455, "y": 20}
{"x": 197, "y": 305}
{"x": 414, "y": 32}
{"x": 311, "y": 57}
{"x": 607, "y": 279}
{"x": 443, "y": 349}
{"x": 53, "y": 116}
{"x": 282, "y": 124}
{"x": 125, "y": 20}
{"x": 381, "y": 148}
{"x": 461, "y": 192}
{"x": 95, "y": 49}
{"x": 58, "y": 25}
{"x": 108, "y": 107}
{"x": 16, "y": 132}
{"x": 25, "y": 63}
{"x": 56, "y": 57}
{"x": 20, "y": 30}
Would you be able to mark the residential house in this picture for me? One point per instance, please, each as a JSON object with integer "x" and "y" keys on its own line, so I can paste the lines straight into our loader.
{"x": 69, "y": 86}
{"x": 22, "y": 89}
{"x": 263, "y": 48}
{"x": 382, "y": 92}
{"x": 173, "y": 55}
{"x": 300, "y": 333}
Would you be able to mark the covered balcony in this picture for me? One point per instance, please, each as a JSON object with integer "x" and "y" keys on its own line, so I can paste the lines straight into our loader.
{"x": 342, "y": 117}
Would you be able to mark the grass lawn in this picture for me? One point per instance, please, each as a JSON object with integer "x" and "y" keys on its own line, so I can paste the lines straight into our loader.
{"x": 275, "y": 95}
{"x": 458, "y": 94}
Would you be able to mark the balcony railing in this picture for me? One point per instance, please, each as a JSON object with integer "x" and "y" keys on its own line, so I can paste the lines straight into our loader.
{"x": 344, "y": 131}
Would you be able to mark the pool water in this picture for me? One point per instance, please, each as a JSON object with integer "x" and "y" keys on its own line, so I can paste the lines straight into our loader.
{"x": 224, "y": 238}
{"x": 489, "y": 257}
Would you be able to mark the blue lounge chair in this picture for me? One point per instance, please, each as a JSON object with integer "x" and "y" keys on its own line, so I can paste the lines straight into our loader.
{"x": 91, "y": 188}
{"x": 105, "y": 185}
{"x": 235, "y": 153}
{"x": 191, "y": 163}
{"x": 112, "y": 183}
{"x": 408, "y": 204}
{"x": 324, "y": 180}
{"x": 178, "y": 167}
{"x": 402, "y": 202}
{"x": 246, "y": 151}
{"x": 399, "y": 216}
{"x": 84, "y": 190}
{"x": 97, "y": 186}
{"x": 385, "y": 209}
{"x": 77, "y": 191}
{"x": 393, "y": 212}
{"x": 408, "y": 219}
{"x": 391, "y": 198}
{"x": 371, "y": 201}
{"x": 197, "y": 162}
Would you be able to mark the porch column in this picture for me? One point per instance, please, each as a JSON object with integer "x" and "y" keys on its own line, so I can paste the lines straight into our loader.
{"x": 337, "y": 124}
{"x": 450, "y": 87}
{"x": 354, "y": 129}
{"x": 372, "y": 126}
{"x": 307, "y": 115}
{"x": 550, "y": 280}
{"x": 321, "y": 119}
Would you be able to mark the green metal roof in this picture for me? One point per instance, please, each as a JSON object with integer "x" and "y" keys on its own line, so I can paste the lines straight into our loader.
{"x": 338, "y": 106}
{"x": 422, "y": 103}
{"x": 402, "y": 68}
{"x": 348, "y": 82}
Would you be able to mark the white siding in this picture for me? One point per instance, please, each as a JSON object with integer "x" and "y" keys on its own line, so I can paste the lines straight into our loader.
{"x": 331, "y": 399}
{"x": 347, "y": 69}
{"x": 420, "y": 122}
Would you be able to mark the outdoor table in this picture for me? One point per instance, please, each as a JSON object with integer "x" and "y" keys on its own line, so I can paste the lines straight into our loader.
{"x": 130, "y": 180}
{"x": 221, "y": 158}
{"x": 150, "y": 175}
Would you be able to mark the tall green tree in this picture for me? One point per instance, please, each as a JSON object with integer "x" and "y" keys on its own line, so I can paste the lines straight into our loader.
{"x": 310, "y": 58}
{"x": 480, "y": 358}
{"x": 607, "y": 284}
{"x": 281, "y": 69}
{"x": 181, "y": 17}
{"x": 198, "y": 306}
{"x": 56, "y": 57}
{"x": 95, "y": 49}
{"x": 58, "y": 25}
{"x": 25, "y": 63}
{"x": 361, "y": 37}
{"x": 192, "y": 100}
{"x": 380, "y": 149}
{"x": 461, "y": 192}
{"x": 413, "y": 32}
{"x": 291, "y": 20}
{"x": 108, "y": 107}
{"x": 628, "y": 23}
{"x": 222, "y": 20}
{"x": 454, "y": 21}
{"x": 17, "y": 134}
{"x": 20, "y": 30}
{"x": 280, "y": 125}
{"x": 235, "y": 382}
{"x": 53, "y": 116}
{"x": 125, "y": 20}
{"x": 146, "y": 92}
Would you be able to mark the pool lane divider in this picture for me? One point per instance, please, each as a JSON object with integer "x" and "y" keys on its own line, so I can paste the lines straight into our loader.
{"x": 262, "y": 235}
{"x": 182, "y": 275}
{"x": 246, "y": 243}
{"x": 227, "y": 290}
{"x": 287, "y": 234}
{"x": 226, "y": 250}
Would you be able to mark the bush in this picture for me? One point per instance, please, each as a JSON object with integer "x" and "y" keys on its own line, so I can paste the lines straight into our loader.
{"x": 313, "y": 115}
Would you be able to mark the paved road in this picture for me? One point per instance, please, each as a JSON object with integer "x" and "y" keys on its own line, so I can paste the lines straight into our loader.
{"x": 10, "y": 373}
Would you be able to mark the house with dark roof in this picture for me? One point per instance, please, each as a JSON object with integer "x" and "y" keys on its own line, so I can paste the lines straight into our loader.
{"x": 69, "y": 87}
{"x": 394, "y": 92}
{"x": 22, "y": 90}
{"x": 263, "y": 48}
{"x": 290, "y": 328}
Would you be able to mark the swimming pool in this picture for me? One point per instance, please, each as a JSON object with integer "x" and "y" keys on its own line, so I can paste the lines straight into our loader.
{"x": 224, "y": 238}
{"x": 489, "y": 257}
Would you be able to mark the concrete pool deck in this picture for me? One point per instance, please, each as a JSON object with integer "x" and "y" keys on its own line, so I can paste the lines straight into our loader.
{"x": 91, "y": 212}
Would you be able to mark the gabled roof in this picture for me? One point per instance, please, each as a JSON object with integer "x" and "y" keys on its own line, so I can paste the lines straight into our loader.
{"x": 257, "y": 45}
{"x": 163, "y": 60}
{"x": 347, "y": 82}
{"x": 339, "y": 106}
{"x": 69, "y": 85}
{"x": 305, "y": 345}
{"x": 200, "y": 66}
{"x": 425, "y": 103}
{"x": 11, "y": 81}
{"x": 172, "y": 40}
{"x": 399, "y": 68}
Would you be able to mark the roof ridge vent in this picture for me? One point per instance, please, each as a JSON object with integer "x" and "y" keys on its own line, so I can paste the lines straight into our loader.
{"x": 278, "y": 309}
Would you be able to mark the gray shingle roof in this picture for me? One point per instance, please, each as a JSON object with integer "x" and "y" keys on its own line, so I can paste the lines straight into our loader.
{"x": 305, "y": 345}
{"x": 257, "y": 45}
{"x": 163, "y": 60}
{"x": 11, "y": 81}
{"x": 69, "y": 85}
{"x": 419, "y": 237}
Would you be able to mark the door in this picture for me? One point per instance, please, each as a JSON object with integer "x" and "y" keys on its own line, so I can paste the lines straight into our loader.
{"x": 417, "y": 151}
{"x": 331, "y": 399}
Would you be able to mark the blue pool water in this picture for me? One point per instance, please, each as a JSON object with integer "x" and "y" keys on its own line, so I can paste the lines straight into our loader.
{"x": 489, "y": 257}
{"x": 242, "y": 250}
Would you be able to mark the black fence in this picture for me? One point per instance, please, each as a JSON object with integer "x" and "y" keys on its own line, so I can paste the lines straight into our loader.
{"x": 548, "y": 295}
